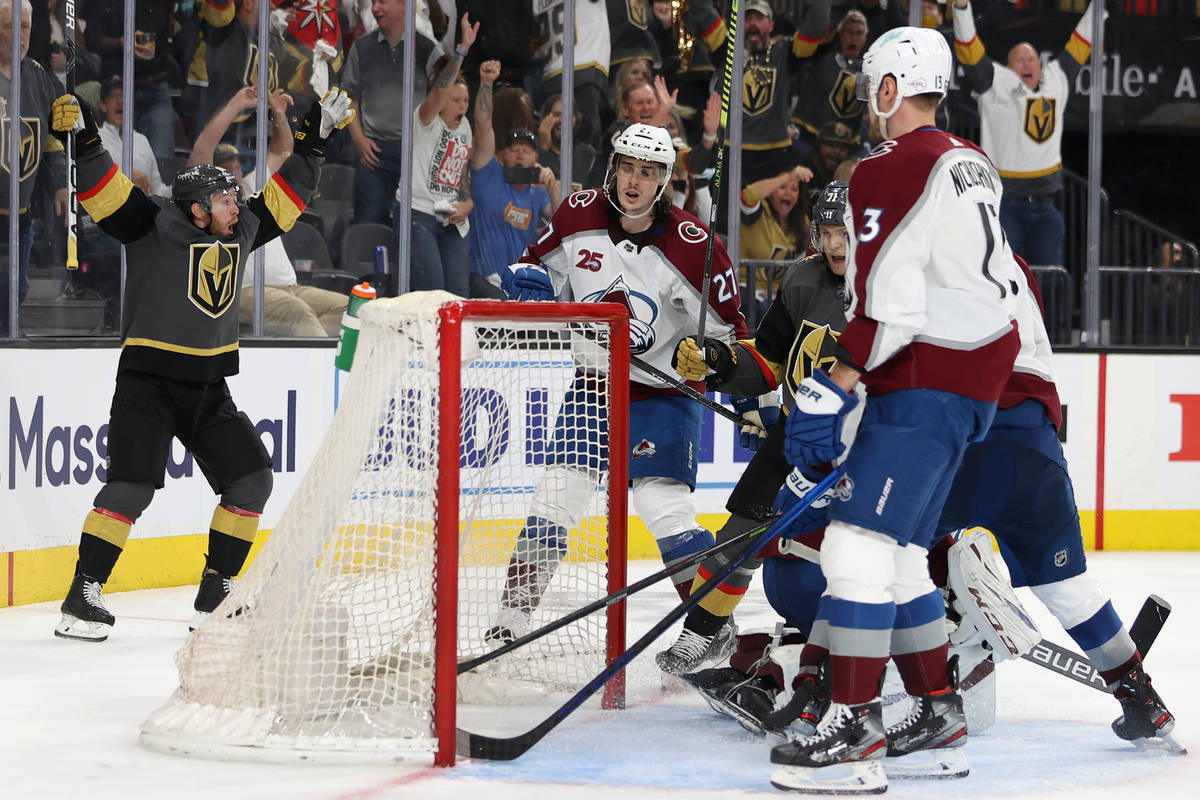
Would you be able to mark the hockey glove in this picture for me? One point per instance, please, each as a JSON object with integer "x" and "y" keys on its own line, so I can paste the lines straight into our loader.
{"x": 526, "y": 282}
{"x": 715, "y": 362}
{"x": 762, "y": 412}
{"x": 68, "y": 115}
{"x": 331, "y": 113}
{"x": 814, "y": 427}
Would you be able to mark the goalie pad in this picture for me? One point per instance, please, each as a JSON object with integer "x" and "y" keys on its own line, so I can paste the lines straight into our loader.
{"x": 986, "y": 600}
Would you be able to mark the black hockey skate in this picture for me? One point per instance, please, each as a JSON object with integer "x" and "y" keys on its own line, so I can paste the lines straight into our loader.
{"x": 748, "y": 699}
{"x": 1145, "y": 716}
{"x": 693, "y": 649}
{"x": 843, "y": 756}
{"x": 799, "y": 717}
{"x": 84, "y": 616}
{"x": 928, "y": 742}
{"x": 214, "y": 588}
{"x": 511, "y": 624}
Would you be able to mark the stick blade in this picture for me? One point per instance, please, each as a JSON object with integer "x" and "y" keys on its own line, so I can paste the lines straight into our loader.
{"x": 1149, "y": 622}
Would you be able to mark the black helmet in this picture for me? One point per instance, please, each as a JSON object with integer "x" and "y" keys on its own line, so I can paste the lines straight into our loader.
{"x": 197, "y": 183}
{"x": 828, "y": 209}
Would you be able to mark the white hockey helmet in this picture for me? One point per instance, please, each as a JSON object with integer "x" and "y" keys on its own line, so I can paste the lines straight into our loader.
{"x": 918, "y": 58}
{"x": 645, "y": 143}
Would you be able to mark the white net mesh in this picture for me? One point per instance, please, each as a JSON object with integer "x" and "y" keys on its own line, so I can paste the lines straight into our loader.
{"x": 326, "y": 645}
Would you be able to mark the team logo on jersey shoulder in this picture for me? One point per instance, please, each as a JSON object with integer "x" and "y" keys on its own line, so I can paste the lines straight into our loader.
{"x": 584, "y": 198}
{"x": 758, "y": 89}
{"x": 1040, "y": 118}
{"x": 643, "y": 312}
{"x": 812, "y": 349}
{"x": 643, "y": 448}
{"x": 841, "y": 97}
{"x": 212, "y": 276}
{"x": 30, "y": 154}
{"x": 637, "y": 13}
{"x": 692, "y": 233}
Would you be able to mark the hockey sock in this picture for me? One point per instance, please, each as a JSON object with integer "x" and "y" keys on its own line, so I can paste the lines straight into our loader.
{"x": 103, "y": 539}
{"x": 939, "y": 570}
{"x": 540, "y": 548}
{"x": 229, "y": 539}
{"x": 859, "y": 639}
{"x": 1104, "y": 640}
{"x": 919, "y": 645}
{"x": 680, "y": 546}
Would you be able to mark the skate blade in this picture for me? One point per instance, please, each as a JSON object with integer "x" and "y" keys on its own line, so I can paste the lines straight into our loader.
{"x": 197, "y": 618}
{"x": 855, "y": 777}
{"x": 950, "y": 762}
{"x": 1161, "y": 743}
{"x": 72, "y": 627}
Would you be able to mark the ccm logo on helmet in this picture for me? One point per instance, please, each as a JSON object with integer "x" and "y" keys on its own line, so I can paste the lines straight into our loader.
{"x": 692, "y": 233}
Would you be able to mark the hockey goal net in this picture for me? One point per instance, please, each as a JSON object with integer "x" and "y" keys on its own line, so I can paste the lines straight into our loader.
{"x": 340, "y": 643}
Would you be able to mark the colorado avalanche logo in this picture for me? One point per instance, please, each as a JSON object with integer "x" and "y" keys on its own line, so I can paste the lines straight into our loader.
{"x": 692, "y": 233}
{"x": 643, "y": 448}
{"x": 581, "y": 199}
{"x": 643, "y": 312}
{"x": 844, "y": 488}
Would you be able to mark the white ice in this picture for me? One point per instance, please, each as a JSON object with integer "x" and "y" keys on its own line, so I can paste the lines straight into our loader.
{"x": 69, "y": 715}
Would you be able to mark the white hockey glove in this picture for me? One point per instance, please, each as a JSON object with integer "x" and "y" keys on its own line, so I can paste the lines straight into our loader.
{"x": 762, "y": 413}
{"x": 526, "y": 282}
{"x": 986, "y": 600}
{"x": 335, "y": 111}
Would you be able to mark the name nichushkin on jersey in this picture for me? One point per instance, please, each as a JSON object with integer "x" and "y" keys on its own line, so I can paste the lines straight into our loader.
{"x": 968, "y": 173}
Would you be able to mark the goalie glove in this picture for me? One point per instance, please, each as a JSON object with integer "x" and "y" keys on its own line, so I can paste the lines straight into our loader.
{"x": 331, "y": 112}
{"x": 715, "y": 363}
{"x": 70, "y": 116}
{"x": 762, "y": 413}
{"x": 814, "y": 427}
{"x": 526, "y": 282}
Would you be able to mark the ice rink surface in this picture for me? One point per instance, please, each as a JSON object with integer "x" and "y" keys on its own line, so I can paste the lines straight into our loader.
{"x": 69, "y": 716}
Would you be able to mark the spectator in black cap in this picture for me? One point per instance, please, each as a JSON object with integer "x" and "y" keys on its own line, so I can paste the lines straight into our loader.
{"x": 835, "y": 143}
{"x": 511, "y": 190}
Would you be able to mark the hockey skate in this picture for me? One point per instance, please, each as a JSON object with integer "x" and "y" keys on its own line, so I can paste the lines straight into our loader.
{"x": 928, "y": 742}
{"x": 748, "y": 699}
{"x": 214, "y": 588}
{"x": 692, "y": 649}
{"x": 84, "y": 616}
{"x": 798, "y": 718}
{"x": 843, "y": 756}
{"x": 511, "y": 624}
{"x": 1145, "y": 717}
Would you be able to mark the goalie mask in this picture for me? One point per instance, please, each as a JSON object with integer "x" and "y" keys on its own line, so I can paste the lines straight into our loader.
{"x": 917, "y": 58}
{"x": 644, "y": 143}
{"x": 198, "y": 183}
{"x": 828, "y": 209}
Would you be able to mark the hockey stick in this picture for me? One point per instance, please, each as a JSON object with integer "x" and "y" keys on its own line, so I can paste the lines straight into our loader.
{"x": 505, "y": 749}
{"x": 700, "y": 398}
{"x": 615, "y": 597}
{"x": 731, "y": 43}
{"x": 72, "y": 184}
{"x": 1066, "y": 662}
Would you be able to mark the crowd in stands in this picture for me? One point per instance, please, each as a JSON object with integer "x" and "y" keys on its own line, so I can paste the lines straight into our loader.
{"x": 486, "y": 136}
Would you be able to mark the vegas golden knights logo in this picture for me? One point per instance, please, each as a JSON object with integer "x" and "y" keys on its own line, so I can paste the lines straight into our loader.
{"x": 758, "y": 90}
{"x": 212, "y": 276}
{"x": 841, "y": 96}
{"x": 30, "y": 153}
{"x": 812, "y": 350}
{"x": 250, "y": 76}
{"x": 637, "y": 13}
{"x": 1040, "y": 118}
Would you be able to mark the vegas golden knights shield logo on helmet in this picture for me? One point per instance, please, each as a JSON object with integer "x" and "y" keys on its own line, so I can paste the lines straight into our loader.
{"x": 212, "y": 276}
{"x": 812, "y": 350}
{"x": 758, "y": 89}
{"x": 30, "y": 153}
{"x": 1040, "y": 118}
{"x": 841, "y": 96}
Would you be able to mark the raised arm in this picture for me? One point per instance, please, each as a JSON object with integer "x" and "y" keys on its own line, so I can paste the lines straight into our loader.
{"x": 281, "y": 132}
{"x": 439, "y": 90}
{"x": 485, "y": 138}
{"x": 1079, "y": 47}
{"x": 210, "y": 135}
{"x": 977, "y": 66}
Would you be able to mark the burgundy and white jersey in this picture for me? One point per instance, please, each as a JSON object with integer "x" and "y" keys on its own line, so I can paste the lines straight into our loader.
{"x": 658, "y": 274}
{"x": 933, "y": 280}
{"x": 1032, "y": 376}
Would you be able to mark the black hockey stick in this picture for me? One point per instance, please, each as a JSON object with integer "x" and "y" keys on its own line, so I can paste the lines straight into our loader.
{"x": 72, "y": 185}
{"x": 731, "y": 44}
{"x": 505, "y": 749}
{"x": 699, "y": 397}
{"x": 615, "y": 597}
{"x": 1066, "y": 662}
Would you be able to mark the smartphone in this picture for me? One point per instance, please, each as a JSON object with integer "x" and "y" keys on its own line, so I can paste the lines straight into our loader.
{"x": 521, "y": 174}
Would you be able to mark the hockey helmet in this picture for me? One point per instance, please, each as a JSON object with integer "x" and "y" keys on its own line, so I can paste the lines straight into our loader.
{"x": 918, "y": 58}
{"x": 645, "y": 143}
{"x": 829, "y": 209}
{"x": 199, "y": 182}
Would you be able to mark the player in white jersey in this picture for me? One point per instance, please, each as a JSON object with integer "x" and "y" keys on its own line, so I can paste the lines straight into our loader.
{"x": 1021, "y": 113}
{"x": 931, "y": 337}
{"x": 625, "y": 243}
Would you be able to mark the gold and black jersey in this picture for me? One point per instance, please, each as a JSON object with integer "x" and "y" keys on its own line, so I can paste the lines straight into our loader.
{"x": 181, "y": 292}
{"x": 36, "y": 147}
